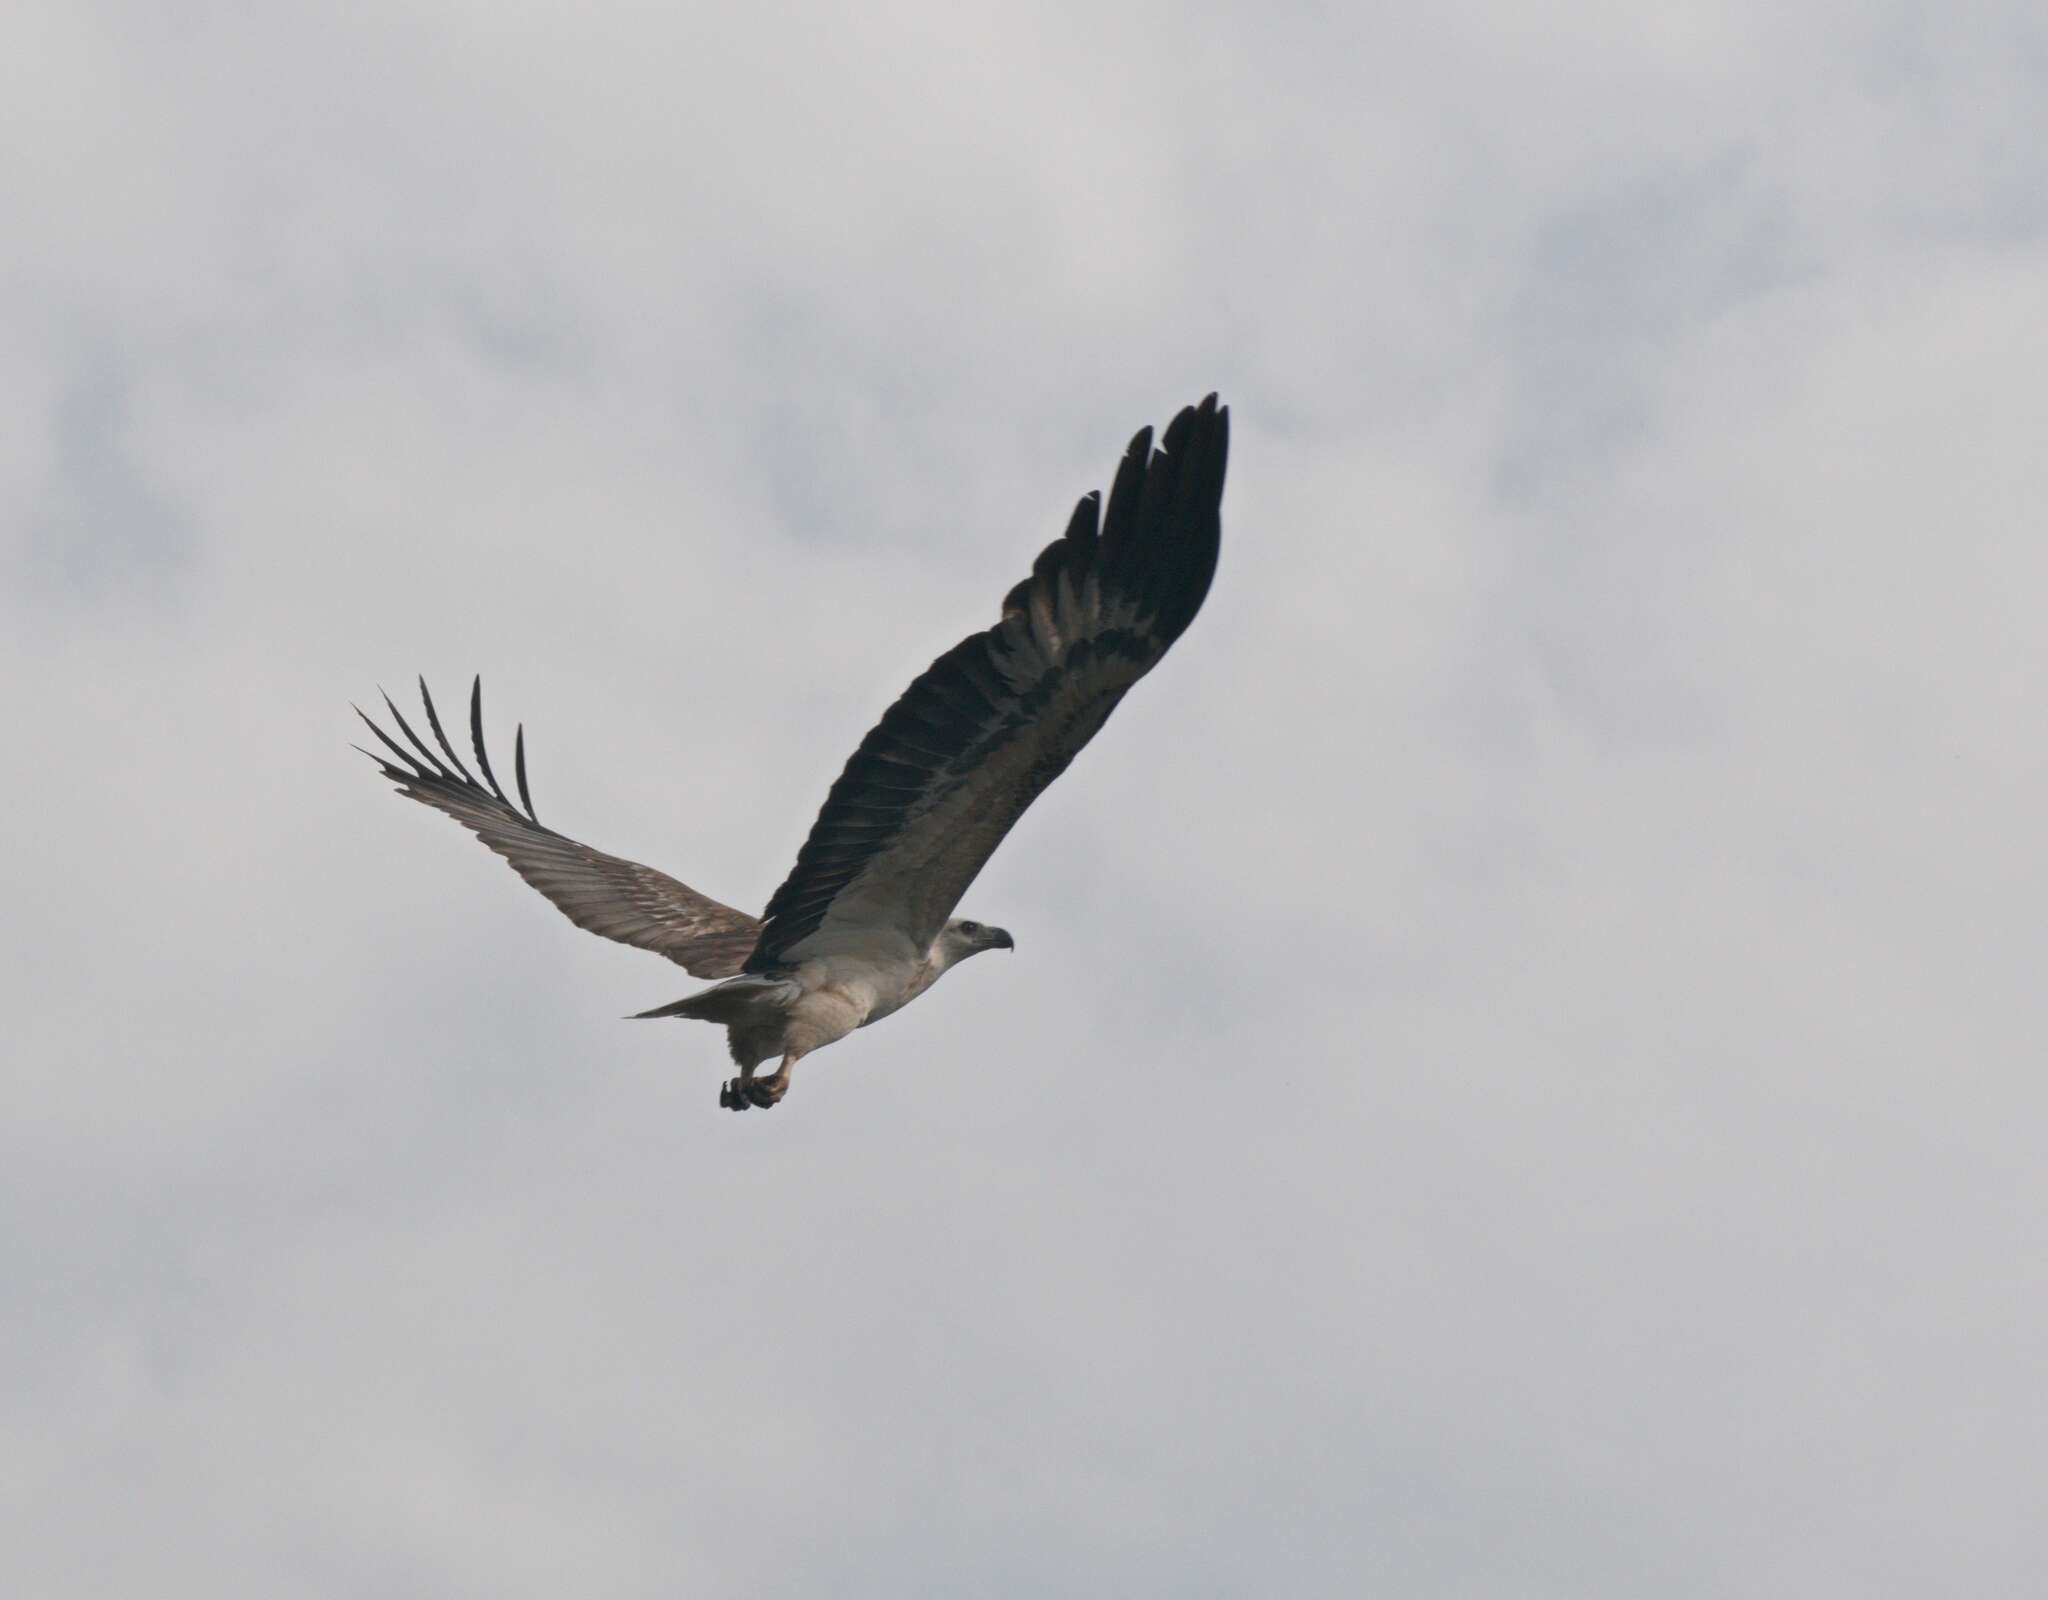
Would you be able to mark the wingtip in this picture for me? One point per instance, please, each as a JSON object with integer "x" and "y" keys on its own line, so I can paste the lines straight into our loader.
{"x": 390, "y": 744}
{"x": 519, "y": 772}
{"x": 440, "y": 733}
{"x": 476, "y": 737}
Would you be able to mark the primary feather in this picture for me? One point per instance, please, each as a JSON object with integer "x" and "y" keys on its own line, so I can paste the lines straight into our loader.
{"x": 606, "y": 894}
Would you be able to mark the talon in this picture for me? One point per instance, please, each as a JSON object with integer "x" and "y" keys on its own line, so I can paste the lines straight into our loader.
{"x": 730, "y": 1096}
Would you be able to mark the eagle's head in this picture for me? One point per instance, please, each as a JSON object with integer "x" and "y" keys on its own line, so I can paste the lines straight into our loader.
{"x": 961, "y": 939}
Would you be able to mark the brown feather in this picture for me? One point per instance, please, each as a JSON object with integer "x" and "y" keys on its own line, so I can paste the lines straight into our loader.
{"x": 605, "y": 894}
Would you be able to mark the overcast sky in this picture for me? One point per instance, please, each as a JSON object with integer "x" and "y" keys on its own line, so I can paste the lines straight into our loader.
{"x": 1523, "y": 1070}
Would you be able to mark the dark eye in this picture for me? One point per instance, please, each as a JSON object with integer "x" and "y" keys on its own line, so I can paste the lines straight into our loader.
{"x": 970, "y": 927}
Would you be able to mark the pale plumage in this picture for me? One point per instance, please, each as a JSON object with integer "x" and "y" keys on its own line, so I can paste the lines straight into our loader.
{"x": 863, "y": 924}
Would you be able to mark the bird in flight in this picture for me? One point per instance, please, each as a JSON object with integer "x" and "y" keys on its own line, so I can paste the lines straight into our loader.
{"x": 864, "y": 923}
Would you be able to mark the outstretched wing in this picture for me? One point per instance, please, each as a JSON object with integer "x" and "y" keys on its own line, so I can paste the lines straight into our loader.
{"x": 620, "y": 899}
{"x": 952, "y": 765}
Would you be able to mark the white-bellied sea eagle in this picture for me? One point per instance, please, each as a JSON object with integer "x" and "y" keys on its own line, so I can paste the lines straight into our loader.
{"x": 864, "y": 923}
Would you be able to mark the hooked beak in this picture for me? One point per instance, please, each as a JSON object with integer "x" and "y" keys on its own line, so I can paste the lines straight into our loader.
{"x": 999, "y": 939}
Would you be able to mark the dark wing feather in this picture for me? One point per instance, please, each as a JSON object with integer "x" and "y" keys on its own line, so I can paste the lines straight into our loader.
{"x": 953, "y": 764}
{"x": 607, "y": 895}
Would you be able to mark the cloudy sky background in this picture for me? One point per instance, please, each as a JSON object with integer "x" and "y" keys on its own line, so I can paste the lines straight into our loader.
{"x": 1522, "y": 1073}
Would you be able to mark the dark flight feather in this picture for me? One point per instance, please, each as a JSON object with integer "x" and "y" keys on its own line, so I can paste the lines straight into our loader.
{"x": 953, "y": 764}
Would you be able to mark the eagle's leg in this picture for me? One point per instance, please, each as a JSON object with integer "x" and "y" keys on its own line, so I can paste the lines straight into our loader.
{"x": 828, "y": 1017}
{"x": 765, "y": 1092}
{"x": 737, "y": 1094}
{"x": 749, "y": 1045}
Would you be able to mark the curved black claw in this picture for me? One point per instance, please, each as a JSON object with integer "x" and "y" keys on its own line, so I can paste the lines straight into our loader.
{"x": 730, "y": 1096}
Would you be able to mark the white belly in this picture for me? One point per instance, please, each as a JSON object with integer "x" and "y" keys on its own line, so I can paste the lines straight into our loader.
{"x": 844, "y": 992}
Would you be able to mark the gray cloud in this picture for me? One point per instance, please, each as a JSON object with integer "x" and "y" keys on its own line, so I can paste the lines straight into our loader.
{"x": 1521, "y": 1071}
